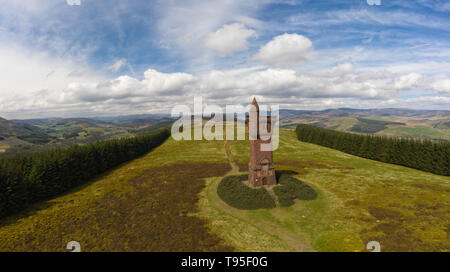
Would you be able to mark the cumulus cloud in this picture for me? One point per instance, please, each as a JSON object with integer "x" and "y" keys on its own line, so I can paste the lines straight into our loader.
{"x": 154, "y": 84}
{"x": 229, "y": 39}
{"x": 120, "y": 88}
{"x": 341, "y": 81}
{"x": 442, "y": 86}
{"x": 409, "y": 81}
{"x": 338, "y": 86}
{"x": 72, "y": 90}
{"x": 167, "y": 84}
{"x": 287, "y": 50}
{"x": 185, "y": 24}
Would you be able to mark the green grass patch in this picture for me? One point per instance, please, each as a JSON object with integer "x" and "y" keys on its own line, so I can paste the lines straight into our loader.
{"x": 339, "y": 242}
{"x": 420, "y": 132}
{"x": 371, "y": 126}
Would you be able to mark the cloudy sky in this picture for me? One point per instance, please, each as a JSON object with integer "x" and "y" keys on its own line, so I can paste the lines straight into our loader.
{"x": 70, "y": 58}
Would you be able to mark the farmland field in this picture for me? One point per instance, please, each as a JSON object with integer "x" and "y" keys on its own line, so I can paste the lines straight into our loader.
{"x": 167, "y": 201}
{"x": 419, "y": 132}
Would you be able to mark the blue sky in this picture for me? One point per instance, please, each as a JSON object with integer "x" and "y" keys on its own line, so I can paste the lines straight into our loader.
{"x": 121, "y": 57}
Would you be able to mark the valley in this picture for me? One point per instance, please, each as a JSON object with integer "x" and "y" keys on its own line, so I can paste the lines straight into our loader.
{"x": 22, "y": 136}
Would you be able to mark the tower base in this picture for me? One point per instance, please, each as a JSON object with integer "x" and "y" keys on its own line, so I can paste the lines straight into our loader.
{"x": 261, "y": 175}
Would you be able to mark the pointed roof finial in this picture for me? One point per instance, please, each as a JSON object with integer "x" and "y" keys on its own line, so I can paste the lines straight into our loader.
{"x": 255, "y": 104}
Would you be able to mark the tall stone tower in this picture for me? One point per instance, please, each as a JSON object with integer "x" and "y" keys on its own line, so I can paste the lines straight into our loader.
{"x": 260, "y": 169}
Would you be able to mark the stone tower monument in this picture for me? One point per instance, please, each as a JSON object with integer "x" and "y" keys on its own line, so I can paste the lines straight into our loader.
{"x": 260, "y": 169}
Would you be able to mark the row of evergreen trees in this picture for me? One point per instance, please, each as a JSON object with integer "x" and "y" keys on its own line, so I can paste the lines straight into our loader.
{"x": 424, "y": 155}
{"x": 25, "y": 179}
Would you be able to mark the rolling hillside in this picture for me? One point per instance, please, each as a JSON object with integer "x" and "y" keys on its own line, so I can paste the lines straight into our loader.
{"x": 167, "y": 201}
{"x": 26, "y": 135}
{"x": 25, "y": 132}
{"x": 19, "y": 136}
{"x": 419, "y": 124}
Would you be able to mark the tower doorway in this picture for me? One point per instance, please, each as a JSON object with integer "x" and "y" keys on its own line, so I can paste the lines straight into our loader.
{"x": 264, "y": 181}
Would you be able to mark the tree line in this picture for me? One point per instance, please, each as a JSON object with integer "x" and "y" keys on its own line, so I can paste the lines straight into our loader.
{"x": 425, "y": 155}
{"x": 28, "y": 178}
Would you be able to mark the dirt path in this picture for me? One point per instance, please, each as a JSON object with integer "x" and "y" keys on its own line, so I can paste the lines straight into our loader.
{"x": 234, "y": 166}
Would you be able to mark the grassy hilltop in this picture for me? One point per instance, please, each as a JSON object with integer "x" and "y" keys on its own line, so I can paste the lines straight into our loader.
{"x": 167, "y": 201}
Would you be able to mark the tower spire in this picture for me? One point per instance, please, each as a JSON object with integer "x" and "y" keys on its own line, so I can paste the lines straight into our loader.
{"x": 254, "y": 103}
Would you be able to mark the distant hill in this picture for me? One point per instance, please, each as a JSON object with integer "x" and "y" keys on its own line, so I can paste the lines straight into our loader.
{"x": 145, "y": 122}
{"x": 25, "y": 132}
{"x": 339, "y": 112}
{"x": 158, "y": 125}
{"x": 372, "y": 126}
{"x": 124, "y": 119}
{"x": 61, "y": 121}
{"x": 19, "y": 136}
{"x": 423, "y": 124}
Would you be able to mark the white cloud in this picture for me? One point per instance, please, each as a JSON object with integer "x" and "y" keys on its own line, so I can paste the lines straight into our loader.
{"x": 367, "y": 17}
{"x": 72, "y": 90}
{"x": 287, "y": 50}
{"x": 442, "y": 86}
{"x": 23, "y": 71}
{"x": 117, "y": 65}
{"x": 122, "y": 87}
{"x": 184, "y": 24}
{"x": 339, "y": 70}
{"x": 409, "y": 81}
{"x": 337, "y": 86}
{"x": 154, "y": 85}
{"x": 73, "y": 2}
{"x": 374, "y": 2}
{"x": 167, "y": 84}
{"x": 274, "y": 83}
{"x": 229, "y": 39}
